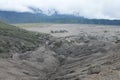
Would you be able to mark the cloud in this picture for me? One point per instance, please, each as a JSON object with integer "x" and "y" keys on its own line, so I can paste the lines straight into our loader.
{"x": 101, "y": 9}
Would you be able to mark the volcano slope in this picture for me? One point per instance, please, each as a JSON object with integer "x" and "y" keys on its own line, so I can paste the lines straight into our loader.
{"x": 86, "y": 56}
{"x": 18, "y": 61}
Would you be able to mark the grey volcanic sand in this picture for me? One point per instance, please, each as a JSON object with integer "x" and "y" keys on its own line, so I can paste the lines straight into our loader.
{"x": 85, "y": 52}
{"x": 73, "y": 29}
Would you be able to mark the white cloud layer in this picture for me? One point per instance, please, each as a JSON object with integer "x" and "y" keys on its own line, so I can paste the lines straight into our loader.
{"x": 102, "y": 9}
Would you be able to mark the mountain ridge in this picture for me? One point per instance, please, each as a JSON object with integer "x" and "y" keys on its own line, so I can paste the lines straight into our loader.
{"x": 55, "y": 17}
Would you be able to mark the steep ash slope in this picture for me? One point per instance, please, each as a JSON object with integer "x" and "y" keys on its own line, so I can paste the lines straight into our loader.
{"x": 13, "y": 39}
{"x": 23, "y": 55}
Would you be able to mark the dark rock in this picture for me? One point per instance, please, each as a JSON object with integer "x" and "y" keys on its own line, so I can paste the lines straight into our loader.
{"x": 94, "y": 70}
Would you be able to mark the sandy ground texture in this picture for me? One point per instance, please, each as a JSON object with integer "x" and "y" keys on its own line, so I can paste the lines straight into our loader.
{"x": 78, "y": 52}
{"x": 72, "y": 29}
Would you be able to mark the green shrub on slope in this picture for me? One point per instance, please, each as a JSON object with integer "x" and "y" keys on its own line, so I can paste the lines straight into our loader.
{"x": 14, "y": 39}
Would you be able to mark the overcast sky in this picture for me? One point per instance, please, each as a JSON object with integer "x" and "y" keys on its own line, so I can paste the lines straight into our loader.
{"x": 106, "y": 9}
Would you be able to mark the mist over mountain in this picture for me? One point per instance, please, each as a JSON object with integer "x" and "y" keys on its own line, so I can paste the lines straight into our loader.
{"x": 52, "y": 17}
{"x": 97, "y": 9}
{"x": 54, "y": 11}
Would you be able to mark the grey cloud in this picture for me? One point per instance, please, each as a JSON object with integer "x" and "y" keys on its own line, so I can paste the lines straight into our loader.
{"x": 105, "y": 9}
